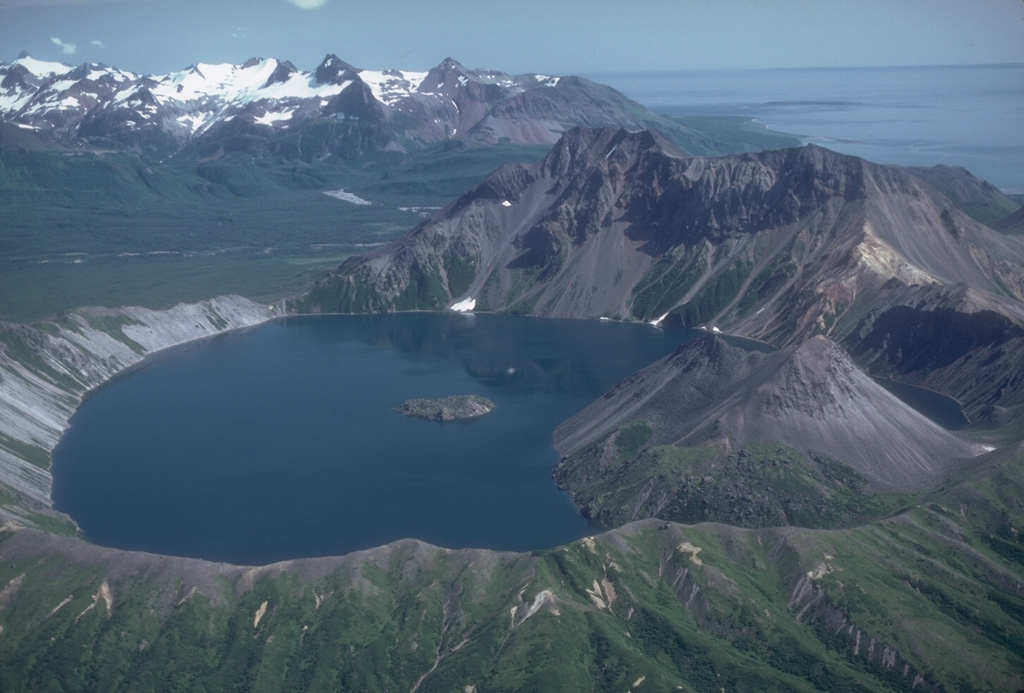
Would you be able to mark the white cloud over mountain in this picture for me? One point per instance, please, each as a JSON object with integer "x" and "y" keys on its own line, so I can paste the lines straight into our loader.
{"x": 68, "y": 48}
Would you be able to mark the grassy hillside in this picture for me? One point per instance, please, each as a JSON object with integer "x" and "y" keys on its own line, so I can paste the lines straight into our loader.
{"x": 871, "y": 593}
{"x": 755, "y": 486}
{"x": 651, "y": 606}
{"x": 114, "y": 229}
{"x": 111, "y": 228}
{"x": 977, "y": 197}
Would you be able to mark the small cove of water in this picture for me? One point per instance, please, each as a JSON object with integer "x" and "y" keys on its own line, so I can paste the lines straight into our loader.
{"x": 282, "y": 441}
{"x": 942, "y": 409}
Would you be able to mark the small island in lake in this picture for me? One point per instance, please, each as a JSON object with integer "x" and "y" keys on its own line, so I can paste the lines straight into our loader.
{"x": 451, "y": 408}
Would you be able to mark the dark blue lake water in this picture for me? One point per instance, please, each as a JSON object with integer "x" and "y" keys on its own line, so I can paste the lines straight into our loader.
{"x": 282, "y": 441}
{"x": 942, "y": 409}
{"x": 916, "y": 116}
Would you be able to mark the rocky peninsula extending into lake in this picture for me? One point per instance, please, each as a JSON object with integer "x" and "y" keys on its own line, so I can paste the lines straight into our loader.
{"x": 453, "y": 408}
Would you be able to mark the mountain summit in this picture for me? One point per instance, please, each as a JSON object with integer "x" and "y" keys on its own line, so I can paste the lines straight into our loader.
{"x": 268, "y": 106}
{"x": 779, "y": 245}
{"x": 810, "y": 397}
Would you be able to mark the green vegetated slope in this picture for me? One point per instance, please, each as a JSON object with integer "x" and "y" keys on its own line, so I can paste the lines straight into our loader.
{"x": 715, "y": 432}
{"x": 980, "y": 199}
{"x": 792, "y": 575}
{"x": 755, "y": 486}
{"x": 106, "y": 228}
{"x": 101, "y": 226}
{"x": 927, "y": 599}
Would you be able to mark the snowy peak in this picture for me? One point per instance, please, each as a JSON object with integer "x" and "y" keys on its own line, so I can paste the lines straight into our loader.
{"x": 39, "y": 69}
{"x": 392, "y": 86}
{"x": 229, "y": 83}
{"x": 447, "y": 76}
{"x": 187, "y": 112}
{"x": 55, "y": 96}
{"x": 281, "y": 74}
{"x": 333, "y": 70}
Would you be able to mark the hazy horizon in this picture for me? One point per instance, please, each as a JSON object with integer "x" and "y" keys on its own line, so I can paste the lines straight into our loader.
{"x": 602, "y": 36}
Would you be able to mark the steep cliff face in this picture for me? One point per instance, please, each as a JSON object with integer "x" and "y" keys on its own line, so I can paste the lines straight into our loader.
{"x": 46, "y": 369}
{"x": 777, "y": 245}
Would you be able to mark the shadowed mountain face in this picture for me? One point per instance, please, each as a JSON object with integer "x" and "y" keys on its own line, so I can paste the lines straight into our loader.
{"x": 1012, "y": 224}
{"x": 778, "y": 245}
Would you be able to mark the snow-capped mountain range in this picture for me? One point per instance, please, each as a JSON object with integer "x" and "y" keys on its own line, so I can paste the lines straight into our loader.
{"x": 270, "y": 106}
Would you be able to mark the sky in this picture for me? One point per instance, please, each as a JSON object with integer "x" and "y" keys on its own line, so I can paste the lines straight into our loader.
{"x": 518, "y": 36}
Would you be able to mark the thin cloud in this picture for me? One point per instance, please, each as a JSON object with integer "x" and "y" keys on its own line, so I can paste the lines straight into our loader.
{"x": 98, "y": 43}
{"x": 68, "y": 48}
{"x": 36, "y": 3}
{"x": 308, "y": 4}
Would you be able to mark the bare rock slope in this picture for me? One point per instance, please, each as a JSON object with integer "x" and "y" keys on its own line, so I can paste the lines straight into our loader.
{"x": 46, "y": 369}
{"x": 777, "y": 245}
{"x": 811, "y": 397}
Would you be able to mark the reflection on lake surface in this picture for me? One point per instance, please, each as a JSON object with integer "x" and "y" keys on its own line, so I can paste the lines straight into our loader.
{"x": 282, "y": 441}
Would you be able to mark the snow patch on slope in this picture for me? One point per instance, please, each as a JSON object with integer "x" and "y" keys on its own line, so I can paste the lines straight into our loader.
{"x": 391, "y": 86}
{"x": 271, "y": 118}
{"x": 239, "y": 84}
{"x": 42, "y": 69}
{"x": 346, "y": 196}
{"x": 466, "y": 305}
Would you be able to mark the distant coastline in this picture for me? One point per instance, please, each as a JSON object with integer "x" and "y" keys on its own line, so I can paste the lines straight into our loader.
{"x": 956, "y": 115}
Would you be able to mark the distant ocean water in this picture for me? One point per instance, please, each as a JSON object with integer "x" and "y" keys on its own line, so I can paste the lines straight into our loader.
{"x": 970, "y": 116}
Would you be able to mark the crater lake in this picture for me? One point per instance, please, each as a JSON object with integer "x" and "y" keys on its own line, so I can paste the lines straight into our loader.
{"x": 283, "y": 441}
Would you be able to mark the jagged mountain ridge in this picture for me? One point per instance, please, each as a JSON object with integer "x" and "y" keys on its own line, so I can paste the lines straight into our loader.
{"x": 776, "y": 245}
{"x": 810, "y": 397}
{"x": 270, "y": 107}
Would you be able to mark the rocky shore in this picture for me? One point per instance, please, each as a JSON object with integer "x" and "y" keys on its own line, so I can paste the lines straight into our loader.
{"x": 48, "y": 367}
